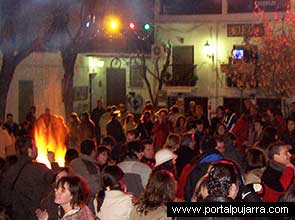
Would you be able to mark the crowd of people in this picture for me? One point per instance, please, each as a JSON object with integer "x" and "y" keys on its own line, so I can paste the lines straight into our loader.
{"x": 119, "y": 165}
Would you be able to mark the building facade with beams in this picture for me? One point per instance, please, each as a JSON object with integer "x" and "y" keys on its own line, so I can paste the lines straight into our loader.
{"x": 222, "y": 26}
{"x": 110, "y": 71}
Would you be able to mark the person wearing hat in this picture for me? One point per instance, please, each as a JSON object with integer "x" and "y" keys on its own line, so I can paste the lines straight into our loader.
{"x": 165, "y": 160}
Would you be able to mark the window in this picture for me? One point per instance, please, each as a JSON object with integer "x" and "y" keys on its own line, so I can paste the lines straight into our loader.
{"x": 238, "y": 6}
{"x": 190, "y": 7}
{"x": 182, "y": 70}
{"x": 136, "y": 79}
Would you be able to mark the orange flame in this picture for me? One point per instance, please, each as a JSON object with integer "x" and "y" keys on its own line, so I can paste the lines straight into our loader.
{"x": 50, "y": 134}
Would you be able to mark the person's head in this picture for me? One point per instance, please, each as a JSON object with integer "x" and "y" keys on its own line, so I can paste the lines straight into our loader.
{"x": 165, "y": 160}
{"x": 192, "y": 106}
{"x": 188, "y": 140}
{"x": 146, "y": 116}
{"x": 258, "y": 125}
{"x": 223, "y": 180}
{"x": 221, "y": 129}
{"x": 149, "y": 106}
{"x": 74, "y": 119}
{"x": 102, "y": 155}
{"x": 25, "y": 146}
{"x": 9, "y": 118}
{"x": 190, "y": 124}
{"x": 85, "y": 117}
{"x": 220, "y": 145}
{"x": 159, "y": 191}
{"x": 131, "y": 135}
{"x": 71, "y": 191}
{"x": 220, "y": 111}
{"x": 279, "y": 152}
{"x": 88, "y": 147}
{"x": 291, "y": 124}
{"x": 255, "y": 159}
{"x": 269, "y": 135}
{"x": 33, "y": 109}
{"x": 174, "y": 109}
{"x": 180, "y": 121}
{"x": 109, "y": 142}
{"x": 163, "y": 114}
{"x": 65, "y": 171}
{"x": 148, "y": 151}
{"x": 70, "y": 155}
{"x": 173, "y": 141}
{"x": 99, "y": 103}
{"x": 200, "y": 125}
{"x": 207, "y": 144}
{"x": 247, "y": 104}
{"x": 113, "y": 178}
{"x": 134, "y": 150}
{"x": 122, "y": 108}
{"x": 130, "y": 118}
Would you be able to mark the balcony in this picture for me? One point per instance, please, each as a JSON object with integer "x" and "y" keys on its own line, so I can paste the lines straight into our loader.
{"x": 182, "y": 75}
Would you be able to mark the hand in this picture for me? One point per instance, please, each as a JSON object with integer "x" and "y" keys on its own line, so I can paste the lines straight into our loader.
{"x": 41, "y": 215}
{"x": 51, "y": 156}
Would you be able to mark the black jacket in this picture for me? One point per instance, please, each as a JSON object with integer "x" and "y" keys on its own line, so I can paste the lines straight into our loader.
{"x": 25, "y": 195}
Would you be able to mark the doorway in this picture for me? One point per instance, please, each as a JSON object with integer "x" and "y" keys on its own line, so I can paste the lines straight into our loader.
{"x": 116, "y": 86}
{"x": 26, "y": 98}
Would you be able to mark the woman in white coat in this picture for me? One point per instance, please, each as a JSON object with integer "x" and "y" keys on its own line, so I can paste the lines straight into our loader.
{"x": 112, "y": 203}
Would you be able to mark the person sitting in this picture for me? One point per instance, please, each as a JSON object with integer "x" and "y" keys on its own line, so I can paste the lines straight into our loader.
{"x": 279, "y": 174}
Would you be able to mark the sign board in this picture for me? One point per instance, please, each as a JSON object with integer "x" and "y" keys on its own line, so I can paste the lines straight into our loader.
{"x": 241, "y": 30}
{"x": 273, "y": 5}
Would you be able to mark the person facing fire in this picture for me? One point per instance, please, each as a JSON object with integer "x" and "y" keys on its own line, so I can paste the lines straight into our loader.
{"x": 24, "y": 184}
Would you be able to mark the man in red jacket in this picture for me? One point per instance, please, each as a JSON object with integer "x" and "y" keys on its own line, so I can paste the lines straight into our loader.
{"x": 279, "y": 174}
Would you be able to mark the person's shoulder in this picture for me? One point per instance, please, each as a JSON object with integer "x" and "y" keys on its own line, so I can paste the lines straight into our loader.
{"x": 142, "y": 166}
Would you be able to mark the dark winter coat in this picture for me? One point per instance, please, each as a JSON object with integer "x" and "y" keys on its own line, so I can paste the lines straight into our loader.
{"x": 24, "y": 196}
{"x": 198, "y": 171}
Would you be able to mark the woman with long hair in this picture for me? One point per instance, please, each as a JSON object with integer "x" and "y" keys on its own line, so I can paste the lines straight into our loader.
{"x": 71, "y": 194}
{"x": 112, "y": 203}
{"x": 48, "y": 207}
{"x": 159, "y": 191}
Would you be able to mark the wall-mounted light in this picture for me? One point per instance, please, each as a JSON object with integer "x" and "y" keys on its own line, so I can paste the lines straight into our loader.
{"x": 209, "y": 51}
{"x": 94, "y": 63}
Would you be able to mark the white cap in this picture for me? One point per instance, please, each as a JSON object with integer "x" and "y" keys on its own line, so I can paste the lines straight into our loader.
{"x": 163, "y": 156}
